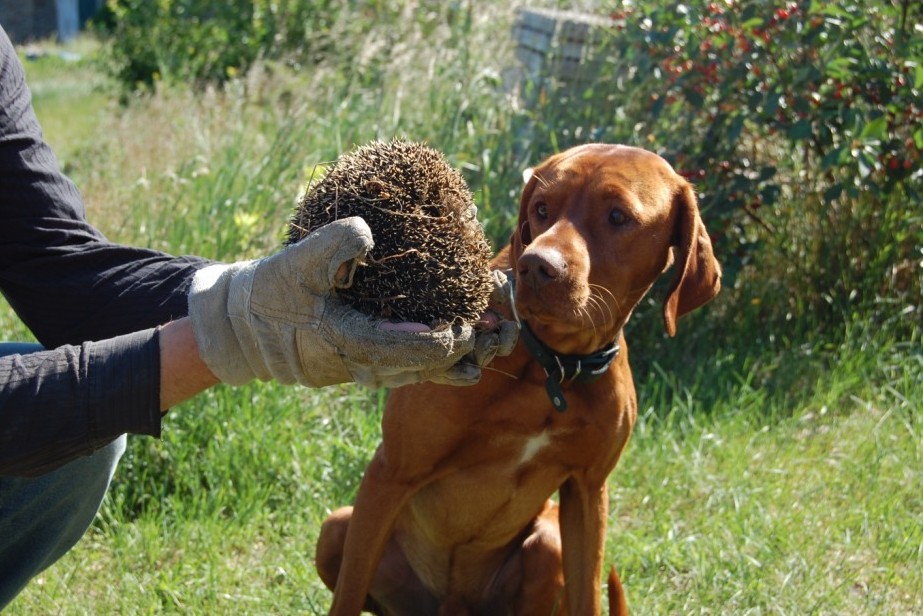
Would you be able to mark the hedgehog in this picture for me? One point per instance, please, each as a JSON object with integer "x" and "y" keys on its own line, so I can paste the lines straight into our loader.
{"x": 431, "y": 259}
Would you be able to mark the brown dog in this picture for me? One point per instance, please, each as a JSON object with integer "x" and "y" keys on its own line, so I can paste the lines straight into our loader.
{"x": 453, "y": 514}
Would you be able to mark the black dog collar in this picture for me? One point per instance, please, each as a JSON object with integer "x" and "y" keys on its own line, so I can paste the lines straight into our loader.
{"x": 574, "y": 368}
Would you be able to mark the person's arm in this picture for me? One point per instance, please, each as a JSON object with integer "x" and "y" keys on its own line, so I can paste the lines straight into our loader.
{"x": 58, "y": 405}
{"x": 183, "y": 374}
{"x": 64, "y": 279}
{"x": 275, "y": 318}
{"x": 70, "y": 284}
{"x": 63, "y": 403}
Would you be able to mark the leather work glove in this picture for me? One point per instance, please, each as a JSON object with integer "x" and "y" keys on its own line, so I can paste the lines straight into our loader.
{"x": 279, "y": 318}
{"x": 493, "y": 336}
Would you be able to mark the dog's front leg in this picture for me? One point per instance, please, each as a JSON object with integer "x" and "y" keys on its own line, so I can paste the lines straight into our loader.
{"x": 378, "y": 502}
{"x": 583, "y": 511}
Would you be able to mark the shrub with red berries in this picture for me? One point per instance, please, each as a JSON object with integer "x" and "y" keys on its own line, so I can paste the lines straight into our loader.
{"x": 800, "y": 123}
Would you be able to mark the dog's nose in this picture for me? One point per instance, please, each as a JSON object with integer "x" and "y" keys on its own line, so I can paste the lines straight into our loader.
{"x": 537, "y": 268}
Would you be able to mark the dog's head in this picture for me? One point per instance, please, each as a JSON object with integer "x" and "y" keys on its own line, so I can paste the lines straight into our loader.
{"x": 597, "y": 225}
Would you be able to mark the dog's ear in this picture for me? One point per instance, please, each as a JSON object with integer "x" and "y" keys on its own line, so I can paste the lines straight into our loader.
{"x": 697, "y": 277}
{"x": 522, "y": 235}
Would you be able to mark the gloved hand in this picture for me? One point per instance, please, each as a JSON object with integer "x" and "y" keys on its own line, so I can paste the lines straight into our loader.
{"x": 279, "y": 318}
{"x": 493, "y": 336}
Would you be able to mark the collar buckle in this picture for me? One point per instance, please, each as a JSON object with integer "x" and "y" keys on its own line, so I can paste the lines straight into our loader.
{"x": 574, "y": 368}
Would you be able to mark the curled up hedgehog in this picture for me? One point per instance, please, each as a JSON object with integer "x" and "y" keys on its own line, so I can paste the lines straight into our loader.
{"x": 431, "y": 260}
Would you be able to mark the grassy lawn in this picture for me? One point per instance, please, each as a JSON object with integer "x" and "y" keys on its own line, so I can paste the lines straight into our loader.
{"x": 764, "y": 481}
{"x": 741, "y": 508}
{"x": 69, "y": 97}
{"x": 754, "y": 507}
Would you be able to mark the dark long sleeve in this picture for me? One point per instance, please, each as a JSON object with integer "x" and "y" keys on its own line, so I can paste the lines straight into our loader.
{"x": 63, "y": 278}
{"x": 61, "y": 404}
{"x": 69, "y": 284}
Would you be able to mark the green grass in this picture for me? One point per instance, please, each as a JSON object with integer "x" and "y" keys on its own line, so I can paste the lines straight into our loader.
{"x": 744, "y": 507}
{"x": 767, "y": 476}
{"x": 751, "y": 506}
{"x": 65, "y": 88}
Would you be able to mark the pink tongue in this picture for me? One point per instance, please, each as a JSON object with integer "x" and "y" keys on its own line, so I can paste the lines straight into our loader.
{"x": 404, "y": 327}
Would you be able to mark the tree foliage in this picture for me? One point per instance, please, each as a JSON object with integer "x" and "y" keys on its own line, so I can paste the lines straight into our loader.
{"x": 210, "y": 42}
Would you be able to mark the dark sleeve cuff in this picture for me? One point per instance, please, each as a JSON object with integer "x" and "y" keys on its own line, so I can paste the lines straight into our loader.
{"x": 58, "y": 405}
{"x": 124, "y": 387}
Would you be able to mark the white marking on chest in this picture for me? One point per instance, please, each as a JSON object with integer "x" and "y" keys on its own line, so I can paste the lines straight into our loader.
{"x": 533, "y": 446}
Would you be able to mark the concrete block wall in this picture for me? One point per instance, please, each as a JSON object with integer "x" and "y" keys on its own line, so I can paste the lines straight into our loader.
{"x": 565, "y": 47}
{"x": 29, "y": 20}
{"x": 26, "y": 20}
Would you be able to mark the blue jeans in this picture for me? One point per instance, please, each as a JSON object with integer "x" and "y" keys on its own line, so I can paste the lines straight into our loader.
{"x": 41, "y": 518}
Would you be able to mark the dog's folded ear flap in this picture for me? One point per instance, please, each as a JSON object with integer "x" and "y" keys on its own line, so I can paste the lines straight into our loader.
{"x": 697, "y": 277}
{"x": 522, "y": 235}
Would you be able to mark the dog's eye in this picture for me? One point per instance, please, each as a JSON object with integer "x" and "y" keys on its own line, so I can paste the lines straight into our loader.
{"x": 617, "y": 218}
{"x": 541, "y": 209}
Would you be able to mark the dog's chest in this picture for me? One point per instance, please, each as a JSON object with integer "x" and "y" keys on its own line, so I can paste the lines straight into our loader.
{"x": 533, "y": 445}
{"x": 551, "y": 449}
{"x": 535, "y": 437}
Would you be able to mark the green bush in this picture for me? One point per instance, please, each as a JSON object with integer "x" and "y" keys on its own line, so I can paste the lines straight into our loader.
{"x": 206, "y": 42}
{"x": 211, "y": 42}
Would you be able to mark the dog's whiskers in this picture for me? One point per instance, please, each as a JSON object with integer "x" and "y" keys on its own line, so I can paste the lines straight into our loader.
{"x": 599, "y": 300}
{"x": 491, "y": 369}
{"x": 583, "y": 313}
{"x": 498, "y": 371}
{"x": 593, "y": 302}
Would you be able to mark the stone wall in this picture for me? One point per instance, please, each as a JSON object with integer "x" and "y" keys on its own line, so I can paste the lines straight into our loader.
{"x": 561, "y": 48}
{"x": 29, "y": 20}
{"x": 26, "y": 20}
